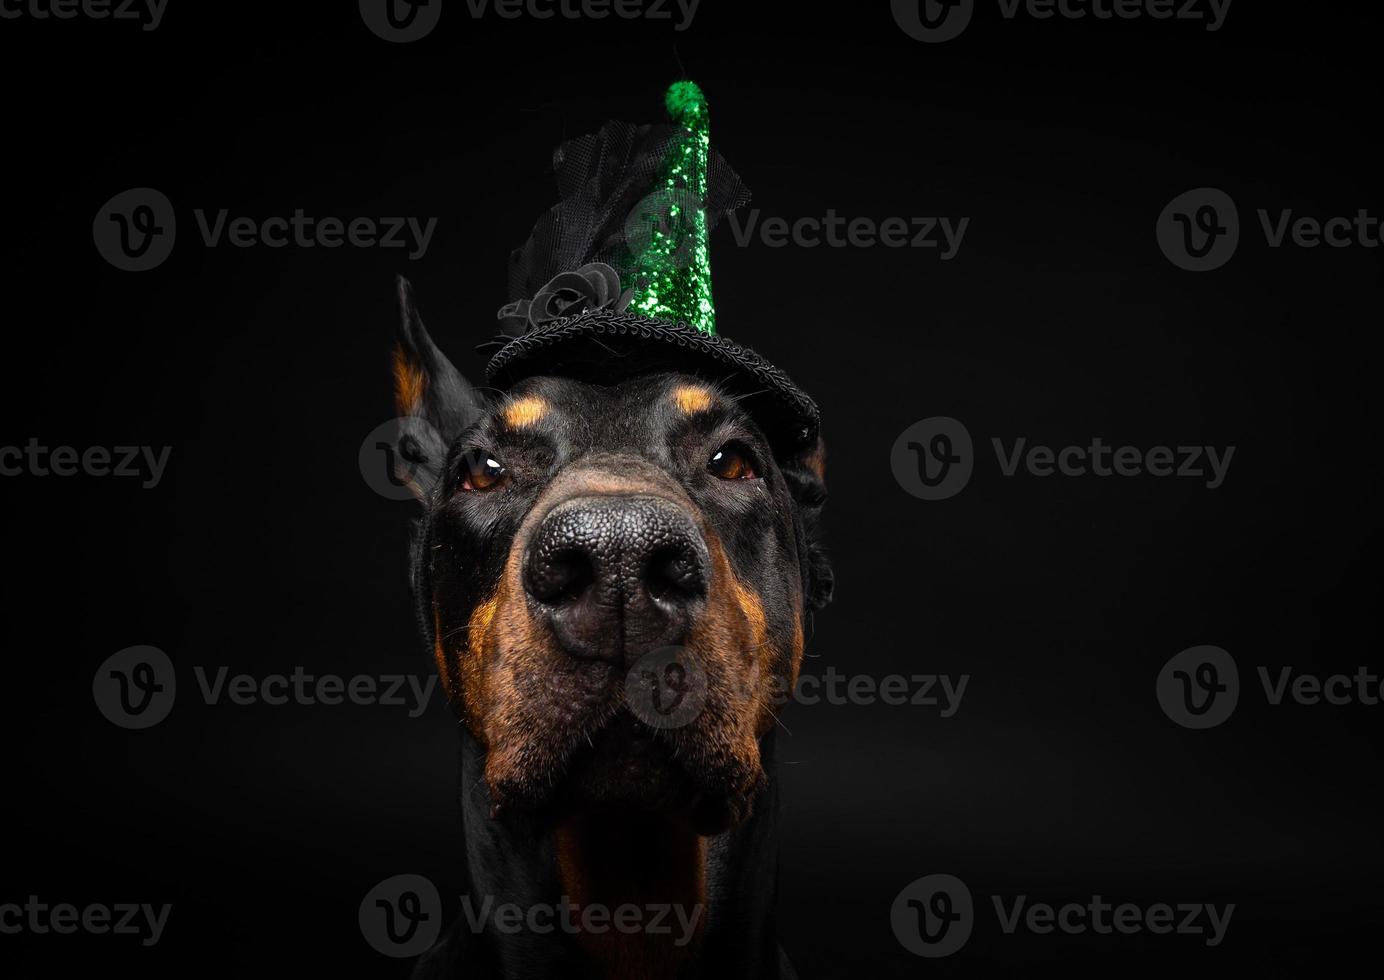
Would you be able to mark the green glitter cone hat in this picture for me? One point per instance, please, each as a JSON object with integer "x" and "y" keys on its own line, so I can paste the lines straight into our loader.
{"x": 615, "y": 279}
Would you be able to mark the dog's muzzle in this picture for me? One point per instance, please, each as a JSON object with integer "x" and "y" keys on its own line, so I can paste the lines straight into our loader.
{"x": 617, "y": 575}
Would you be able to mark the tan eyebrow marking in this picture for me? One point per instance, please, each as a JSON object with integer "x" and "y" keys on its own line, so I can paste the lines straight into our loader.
{"x": 524, "y": 412}
{"x": 691, "y": 399}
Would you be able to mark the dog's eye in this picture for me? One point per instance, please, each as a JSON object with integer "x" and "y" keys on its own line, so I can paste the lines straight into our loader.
{"x": 732, "y": 462}
{"x": 481, "y": 471}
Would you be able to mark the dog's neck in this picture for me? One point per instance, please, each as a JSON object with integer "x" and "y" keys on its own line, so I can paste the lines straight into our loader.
{"x": 713, "y": 897}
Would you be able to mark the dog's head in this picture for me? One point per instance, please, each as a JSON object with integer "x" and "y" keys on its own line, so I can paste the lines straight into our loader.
{"x": 615, "y": 581}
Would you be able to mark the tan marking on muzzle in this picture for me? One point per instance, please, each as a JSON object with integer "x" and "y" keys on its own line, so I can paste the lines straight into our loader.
{"x": 472, "y": 666}
{"x": 444, "y": 667}
{"x": 511, "y": 652}
{"x": 799, "y": 644}
{"x": 753, "y": 610}
{"x": 460, "y": 661}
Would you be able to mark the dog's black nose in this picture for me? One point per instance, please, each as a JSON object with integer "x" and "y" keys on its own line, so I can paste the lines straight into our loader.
{"x": 617, "y": 576}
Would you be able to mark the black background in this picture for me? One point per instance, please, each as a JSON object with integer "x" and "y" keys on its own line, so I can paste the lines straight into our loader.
{"x": 1059, "y": 320}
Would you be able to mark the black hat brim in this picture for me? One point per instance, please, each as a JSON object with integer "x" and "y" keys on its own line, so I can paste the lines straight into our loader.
{"x": 605, "y": 347}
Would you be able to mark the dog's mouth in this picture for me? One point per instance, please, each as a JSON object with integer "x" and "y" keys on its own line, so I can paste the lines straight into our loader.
{"x": 628, "y": 762}
{"x": 632, "y": 766}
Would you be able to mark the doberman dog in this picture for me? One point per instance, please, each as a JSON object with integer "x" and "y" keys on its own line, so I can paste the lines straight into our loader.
{"x": 615, "y": 584}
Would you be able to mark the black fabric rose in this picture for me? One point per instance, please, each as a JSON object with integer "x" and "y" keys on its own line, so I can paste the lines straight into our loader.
{"x": 595, "y": 286}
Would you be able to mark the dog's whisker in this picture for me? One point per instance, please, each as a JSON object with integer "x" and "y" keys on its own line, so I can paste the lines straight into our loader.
{"x": 779, "y": 721}
{"x": 477, "y": 785}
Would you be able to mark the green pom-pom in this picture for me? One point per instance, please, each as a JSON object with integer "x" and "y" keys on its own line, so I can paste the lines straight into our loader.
{"x": 685, "y": 102}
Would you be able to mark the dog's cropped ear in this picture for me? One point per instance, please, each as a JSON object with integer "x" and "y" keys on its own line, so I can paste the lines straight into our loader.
{"x": 806, "y": 476}
{"x": 435, "y": 401}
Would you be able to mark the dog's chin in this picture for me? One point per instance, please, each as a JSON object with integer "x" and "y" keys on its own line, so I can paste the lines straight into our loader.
{"x": 626, "y": 764}
{"x": 629, "y": 768}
